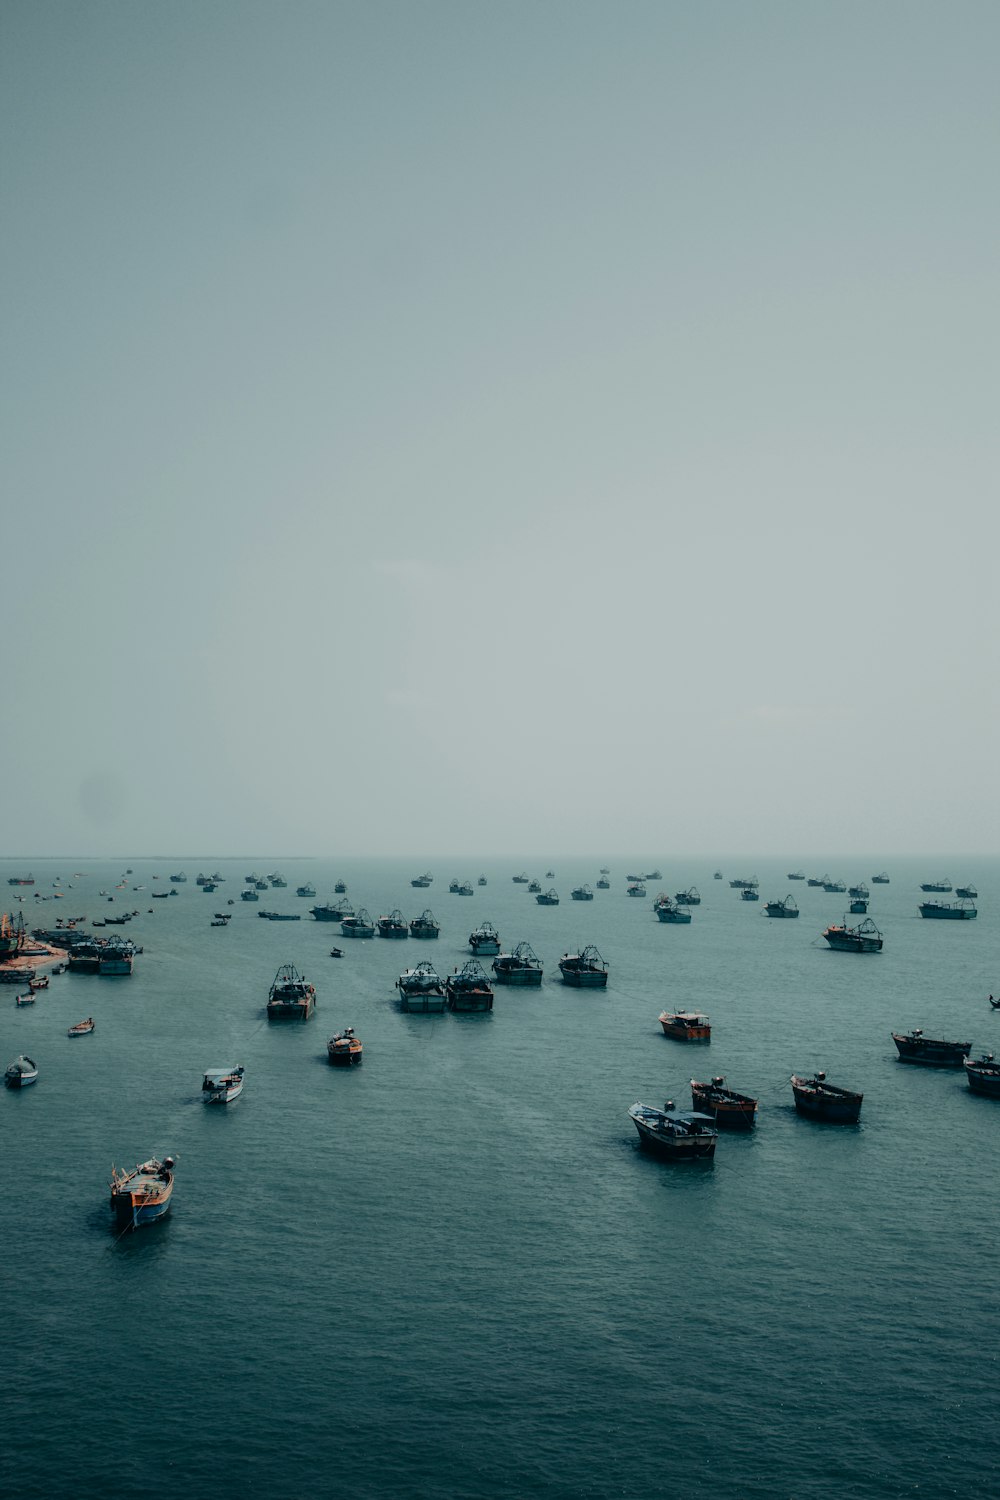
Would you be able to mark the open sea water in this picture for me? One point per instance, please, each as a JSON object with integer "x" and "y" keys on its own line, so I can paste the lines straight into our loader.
{"x": 453, "y": 1271}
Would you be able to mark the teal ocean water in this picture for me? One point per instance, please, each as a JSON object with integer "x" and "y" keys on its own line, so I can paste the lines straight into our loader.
{"x": 452, "y": 1271}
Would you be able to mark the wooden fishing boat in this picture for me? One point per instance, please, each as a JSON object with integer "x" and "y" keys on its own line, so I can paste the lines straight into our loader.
{"x": 520, "y": 967}
{"x": 586, "y": 970}
{"x": 360, "y": 926}
{"x": 485, "y": 939}
{"x": 291, "y": 997}
{"x": 914, "y": 1047}
{"x": 28, "y": 999}
{"x": 690, "y": 897}
{"x": 393, "y": 925}
{"x": 865, "y": 938}
{"x": 142, "y": 1195}
{"x": 425, "y": 925}
{"x": 675, "y": 1134}
{"x": 983, "y": 1075}
{"x": 671, "y": 911}
{"x": 421, "y": 989}
{"x": 726, "y": 1107}
{"x": 22, "y": 1071}
{"x": 344, "y": 1048}
{"x": 786, "y": 908}
{"x": 82, "y": 1028}
{"x": 949, "y": 911}
{"x": 581, "y": 893}
{"x": 548, "y": 898}
{"x": 686, "y": 1025}
{"x": 222, "y": 1085}
{"x": 468, "y": 988}
{"x": 820, "y": 1100}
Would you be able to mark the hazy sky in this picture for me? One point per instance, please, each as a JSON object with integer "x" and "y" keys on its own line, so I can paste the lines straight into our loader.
{"x": 497, "y": 428}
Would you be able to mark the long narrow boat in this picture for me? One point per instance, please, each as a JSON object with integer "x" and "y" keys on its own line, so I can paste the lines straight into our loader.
{"x": 142, "y": 1195}
{"x": 820, "y": 1100}
{"x": 983, "y": 1075}
{"x": 949, "y": 911}
{"x": 725, "y": 1106}
{"x": 914, "y": 1047}
{"x": 82, "y": 1028}
{"x": 676, "y": 1134}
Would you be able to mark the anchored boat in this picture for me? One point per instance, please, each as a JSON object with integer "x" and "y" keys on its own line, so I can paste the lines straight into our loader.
{"x": 82, "y": 1028}
{"x": 824, "y": 1101}
{"x": 222, "y": 1085}
{"x": 676, "y": 1134}
{"x": 586, "y": 970}
{"x": 786, "y": 908}
{"x": 983, "y": 1075}
{"x": 949, "y": 911}
{"x": 468, "y": 988}
{"x": 421, "y": 989}
{"x": 865, "y": 938}
{"x": 485, "y": 939}
{"x": 914, "y": 1047}
{"x": 424, "y": 926}
{"x": 360, "y": 926}
{"x": 344, "y": 1048}
{"x": 686, "y": 1025}
{"x": 22, "y": 1071}
{"x": 291, "y": 998}
{"x": 143, "y": 1195}
{"x": 725, "y": 1106}
{"x": 393, "y": 925}
{"x": 521, "y": 967}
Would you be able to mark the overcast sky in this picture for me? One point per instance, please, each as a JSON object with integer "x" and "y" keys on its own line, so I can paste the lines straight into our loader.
{"x": 459, "y": 427}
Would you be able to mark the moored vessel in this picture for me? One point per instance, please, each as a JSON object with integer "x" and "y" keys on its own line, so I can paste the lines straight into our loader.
{"x": 307, "y": 890}
{"x": 360, "y": 926}
{"x": 393, "y": 925}
{"x": 521, "y": 967}
{"x": 22, "y": 1071}
{"x": 967, "y": 892}
{"x": 548, "y": 898}
{"x": 582, "y": 893}
{"x": 672, "y": 911}
{"x": 983, "y": 1075}
{"x": 421, "y": 989}
{"x": 914, "y": 1047}
{"x": 686, "y": 1025}
{"x": 222, "y": 1085}
{"x": 865, "y": 938}
{"x": 786, "y": 908}
{"x": 943, "y": 884}
{"x": 726, "y": 1107}
{"x": 820, "y": 1100}
{"x": 291, "y": 997}
{"x": 585, "y": 970}
{"x": 949, "y": 911}
{"x": 468, "y": 988}
{"x": 485, "y": 939}
{"x": 690, "y": 897}
{"x": 636, "y": 889}
{"x": 344, "y": 1048}
{"x": 422, "y": 881}
{"x": 881, "y": 879}
{"x": 82, "y": 1028}
{"x": 676, "y": 1134}
{"x": 142, "y": 1195}
{"x": 424, "y": 926}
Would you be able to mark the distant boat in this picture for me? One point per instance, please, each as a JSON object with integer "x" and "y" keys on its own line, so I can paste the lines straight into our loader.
{"x": 290, "y": 998}
{"x": 967, "y": 892}
{"x": 676, "y": 1134}
{"x": 328, "y": 911}
{"x": 748, "y": 893}
{"x": 550, "y": 874}
{"x": 82, "y": 1028}
{"x": 586, "y": 970}
{"x": 222, "y": 1085}
{"x": 744, "y": 883}
{"x": 786, "y": 908}
{"x": 179, "y": 879}
{"x": 421, "y": 989}
{"x": 690, "y": 897}
{"x": 481, "y": 880}
{"x": 582, "y": 893}
{"x": 22, "y": 1071}
{"x": 727, "y": 1108}
{"x": 796, "y": 875}
{"x": 485, "y": 939}
{"x": 424, "y": 926}
{"x": 686, "y": 1025}
{"x": 944, "y": 884}
{"x": 865, "y": 938}
{"x": 28, "y": 999}
{"x": 421, "y": 881}
{"x": 834, "y": 887}
{"x": 914, "y": 1047}
{"x": 521, "y": 967}
{"x": 340, "y": 888}
{"x": 859, "y": 892}
{"x": 534, "y": 887}
{"x": 604, "y": 884}
{"x": 305, "y": 890}
{"x": 344, "y": 1048}
{"x": 983, "y": 1075}
{"x": 823, "y": 1101}
{"x": 670, "y": 911}
{"x": 636, "y": 889}
{"x": 468, "y": 989}
{"x": 521, "y": 879}
{"x": 142, "y": 1195}
{"x": 953, "y": 911}
{"x": 393, "y": 925}
{"x": 548, "y": 898}
{"x": 250, "y": 894}
{"x": 718, "y": 875}
{"x": 882, "y": 879}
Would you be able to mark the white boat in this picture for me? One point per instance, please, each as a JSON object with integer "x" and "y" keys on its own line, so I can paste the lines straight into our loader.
{"x": 222, "y": 1085}
{"x": 22, "y": 1071}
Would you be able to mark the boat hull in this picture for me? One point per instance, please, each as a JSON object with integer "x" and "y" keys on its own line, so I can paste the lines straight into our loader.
{"x": 470, "y": 1001}
{"x": 985, "y": 1083}
{"x": 671, "y": 1147}
{"x": 519, "y": 978}
{"x": 930, "y": 1053}
{"x": 728, "y": 1114}
{"x": 422, "y": 1003}
{"x": 827, "y": 1108}
{"x": 585, "y": 979}
{"x": 943, "y": 913}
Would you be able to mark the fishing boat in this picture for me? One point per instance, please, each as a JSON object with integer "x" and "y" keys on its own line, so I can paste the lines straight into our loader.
{"x": 744, "y": 883}
{"x": 82, "y": 1028}
{"x": 823, "y": 1101}
{"x": 881, "y": 879}
{"x": 949, "y": 911}
{"x": 967, "y": 892}
{"x": 676, "y": 1134}
{"x": 306, "y": 890}
{"x": 726, "y": 1107}
{"x": 550, "y": 874}
{"x": 222, "y": 1085}
{"x": 336, "y": 952}
{"x": 859, "y": 892}
{"x": 179, "y": 879}
{"x": 604, "y": 884}
{"x": 652, "y": 875}
{"x": 28, "y": 999}
{"x": 340, "y": 889}
{"x": 914, "y": 1047}
{"x": 393, "y": 925}
{"x": 690, "y": 897}
{"x": 749, "y": 893}
{"x": 944, "y": 884}
{"x": 521, "y": 967}
{"x": 12, "y": 934}
{"x": 865, "y": 938}
{"x": 796, "y": 875}
{"x": 834, "y": 887}
{"x": 250, "y": 894}
{"x": 421, "y": 882}
{"x": 686, "y": 1025}
{"x": 142, "y": 1195}
{"x": 481, "y": 880}
{"x": 534, "y": 887}
{"x": 820, "y": 882}
{"x": 465, "y": 889}
{"x": 360, "y": 926}
{"x": 858, "y": 906}
{"x": 277, "y": 880}
{"x": 983, "y": 1075}
{"x": 548, "y": 898}
{"x": 485, "y": 939}
{"x": 718, "y": 875}
{"x": 586, "y": 970}
{"x": 425, "y": 925}
{"x": 582, "y": 893}
{"x": 671, "y": 911}
{"x": 786, "y": 908}
{"x": 291, "y": 997}
{"x": 224, "y": 921}
{"x": 636, "y": 889}
{"x": 521, "y": 879}
{"x": 116, "y": 957}
{"x": 21, "y": 880}
{"x": 468, "y": 988}
{"x": 85, "y": 957}
{"x": 281, "y": 916}
{"x": 22, "y": 1071}
{"x": 421, "y": 989}
{"x": 344, "y": 1048}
